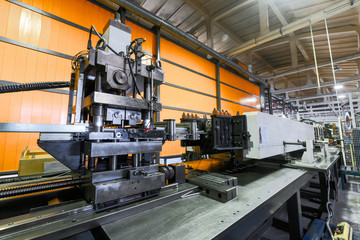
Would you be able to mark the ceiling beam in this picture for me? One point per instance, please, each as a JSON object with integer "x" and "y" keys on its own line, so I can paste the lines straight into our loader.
{"x": 317, "y": 33}
{"x": 230, "y": 9}
{"x": 320, "y": 96}
{"x": 311, "y": 66}
{"x": 259, "y": 57}
{"x": 263, "y": 17}
{"x": 197, "y": 27}
{"x": 332, "y": 10}
{"x": 314, "y": 86}
{"x": 223, "y": 28}
{"x": 283, "y": 21}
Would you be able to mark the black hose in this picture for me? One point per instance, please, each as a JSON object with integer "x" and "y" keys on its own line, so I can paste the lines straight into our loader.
{"x": 38, "y": 187}
{"x": 19, "y": 87}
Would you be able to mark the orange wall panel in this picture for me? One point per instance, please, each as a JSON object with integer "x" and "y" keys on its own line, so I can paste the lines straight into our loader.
{"x": 175, "y": 53}
{"x": 187, "y": 79}
{"x": 236, "y": 81}
{"x": 27, "y": 107}
{"x": 175, "y": 97}
{"x": 24, "y": 65}
{"x": 4, "y": 16}
{"x": 233, "y": 108}
{"x": 239, "y": 96}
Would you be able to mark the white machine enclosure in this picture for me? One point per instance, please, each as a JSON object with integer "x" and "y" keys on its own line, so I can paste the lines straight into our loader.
{"x": 268, "y": 133}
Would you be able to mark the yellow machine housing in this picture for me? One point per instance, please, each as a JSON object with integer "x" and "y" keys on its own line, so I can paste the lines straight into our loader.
{"x": 343, "y": 231}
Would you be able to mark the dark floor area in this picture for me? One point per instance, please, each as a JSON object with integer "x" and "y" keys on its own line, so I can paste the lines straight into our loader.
{"x": 347, "y": 208}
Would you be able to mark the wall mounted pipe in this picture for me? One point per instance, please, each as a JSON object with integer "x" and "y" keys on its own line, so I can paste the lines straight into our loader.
{"x": 188, "y": 38}
{"x": 333, "y": 10}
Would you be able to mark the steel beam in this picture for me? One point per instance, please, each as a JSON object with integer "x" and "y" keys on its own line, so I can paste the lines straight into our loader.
{"x": 311, "y": 66}
{"x": 263, "y": 17}
{"x": 333, "y": 10}
{"x": 320, "y": 96}
{"x": 313, "y": 86}
{"x": 228, "y": 10}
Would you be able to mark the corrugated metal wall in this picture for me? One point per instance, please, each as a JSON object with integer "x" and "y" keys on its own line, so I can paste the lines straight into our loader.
{"x": 184, "y": 70}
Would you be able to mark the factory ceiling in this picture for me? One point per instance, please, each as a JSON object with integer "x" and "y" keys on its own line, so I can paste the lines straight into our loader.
{"x": 240, "y": 30}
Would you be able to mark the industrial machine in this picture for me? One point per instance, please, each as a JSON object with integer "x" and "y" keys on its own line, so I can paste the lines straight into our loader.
{"x": 110, "y": 139}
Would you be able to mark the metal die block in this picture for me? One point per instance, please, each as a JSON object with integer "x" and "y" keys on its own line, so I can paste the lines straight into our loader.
{"x": 118, "y": 101}
{"x": 141, "y": 172}
{"x": 98, "y": 177}
{"x": 117, "y": 78}
{"x": 112, "y": 190}
{"x": 116, "y": 116}
{"x": 104, "y": 149}
{"x": 217, "y": 186}
{"x": 214, "y": 190}
{"x": 224, "y": 179}
{"x": 133, "y": 117}
{"x": 100, "y": 135}
{"x": 179, "y": 173}
{"x": 56, "y": 136}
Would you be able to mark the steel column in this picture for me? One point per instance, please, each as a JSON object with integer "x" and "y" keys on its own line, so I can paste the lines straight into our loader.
{"x": 71, "y": 98}
{"x": 157, "y": 89}
{"x": 158, "y": 58}
{"x": 352, "y": 110}
{"x": 270, "y": 102}
{"x": 218, "y": 93}
{"x": 295, "y": 216}
{"x": 262, "y": 98}
{"x": 122, "y": 12}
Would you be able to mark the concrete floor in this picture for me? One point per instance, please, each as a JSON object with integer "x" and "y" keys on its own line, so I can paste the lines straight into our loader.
{"x": 347, "y": 208}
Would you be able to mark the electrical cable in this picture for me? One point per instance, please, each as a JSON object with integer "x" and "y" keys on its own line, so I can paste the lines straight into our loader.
{"x": 20, "y": 87}
{"x": 329, "y": 207}
{"x": 75, "y": 63}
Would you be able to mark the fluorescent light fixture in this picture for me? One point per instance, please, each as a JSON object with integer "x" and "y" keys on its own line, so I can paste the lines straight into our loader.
{"x": 248, "y": 100}
{"x": 337, "y": 68}
{"x": 338, "y": 86}
{"x": 341, "y": 96}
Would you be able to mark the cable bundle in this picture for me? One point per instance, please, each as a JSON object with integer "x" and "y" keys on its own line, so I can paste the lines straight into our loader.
{"x": 19, "y": 87}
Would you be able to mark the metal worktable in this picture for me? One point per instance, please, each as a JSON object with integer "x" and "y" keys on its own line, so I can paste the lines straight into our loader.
{"x": 261, "y": 191}
{"x": 175, "y": 214}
